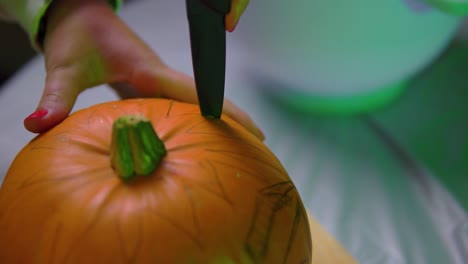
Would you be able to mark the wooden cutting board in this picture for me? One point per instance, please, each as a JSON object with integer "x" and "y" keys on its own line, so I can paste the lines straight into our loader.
{"x": 325, "y": 248}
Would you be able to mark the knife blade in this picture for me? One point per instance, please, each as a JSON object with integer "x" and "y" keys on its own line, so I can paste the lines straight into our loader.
{"x": 208, "y": 48}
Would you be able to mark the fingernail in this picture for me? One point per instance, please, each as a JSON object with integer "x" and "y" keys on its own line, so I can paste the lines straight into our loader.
{"x": 37, "y": 115}
{"x": 234, "y": 27}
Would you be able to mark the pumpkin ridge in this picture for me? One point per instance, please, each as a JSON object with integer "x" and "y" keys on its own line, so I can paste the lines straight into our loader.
{"x": 132, "y": 257}
{"x": 91, "y": 224}
{"x": 71, "y": 138}
{"x": 55, "y": 199}
{"x": 193, "y": 212}
{"x": 48, "y": 180}
{"x": 180, "y": 228}
{"x": 76, "y": 175}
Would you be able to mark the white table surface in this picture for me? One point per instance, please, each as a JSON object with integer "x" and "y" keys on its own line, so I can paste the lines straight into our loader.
{"x": 373, "y": 181}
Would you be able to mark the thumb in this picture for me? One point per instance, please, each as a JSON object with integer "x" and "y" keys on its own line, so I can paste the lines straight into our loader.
{"x": 237, "y": 9}
{"x": 57, "y": 100}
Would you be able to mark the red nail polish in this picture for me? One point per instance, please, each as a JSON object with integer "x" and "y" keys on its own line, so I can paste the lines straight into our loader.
{"x": 234, "y": 27}
{"x": 38, "y": 114}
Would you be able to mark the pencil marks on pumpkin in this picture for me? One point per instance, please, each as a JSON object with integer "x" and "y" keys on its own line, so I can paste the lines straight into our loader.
{"x": 169, "y": 108}
{"x": 193, "y": 209}
{"x": 170, "y": 114}
{"x": 180, "y": 227}
{"x": 299, "y": 217}
{"x": 215, "y": 182}
{"x": 269, "y": 203}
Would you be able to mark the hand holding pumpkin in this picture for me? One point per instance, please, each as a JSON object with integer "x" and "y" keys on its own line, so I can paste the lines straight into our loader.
{"x": 87, "y": 44}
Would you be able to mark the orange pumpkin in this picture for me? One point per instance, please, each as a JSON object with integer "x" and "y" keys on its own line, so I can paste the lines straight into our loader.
{"x": 218, "y": 194}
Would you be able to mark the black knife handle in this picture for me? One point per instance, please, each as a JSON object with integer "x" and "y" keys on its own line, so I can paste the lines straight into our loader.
{"x": 220, "y": 6}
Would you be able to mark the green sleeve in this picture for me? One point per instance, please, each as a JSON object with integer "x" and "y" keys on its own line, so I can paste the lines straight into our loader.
{"x": 30, "y": 14}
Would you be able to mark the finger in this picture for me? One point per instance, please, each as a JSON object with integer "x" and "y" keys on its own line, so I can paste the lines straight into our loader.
{"x": 155, "y": 82}
{"x": 237, "y": 9}
{"x": 168, "y": 83}
{"x": 125, "y": 90}
{"x": 57, "y": 100}
{"x": 242, "y": 118}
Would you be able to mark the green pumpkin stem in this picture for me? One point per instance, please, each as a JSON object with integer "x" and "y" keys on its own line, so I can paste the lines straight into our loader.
{"x": 136, "y": 149}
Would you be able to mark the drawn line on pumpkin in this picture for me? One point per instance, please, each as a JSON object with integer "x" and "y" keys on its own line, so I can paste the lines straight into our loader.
{"x": 185, "y": 146}
{"x": 203, "y": 184}
{"x": 171, "y": 107}
{"x": 223, "y": 194}
{"x": 196, "y": 222}
{"x": 173, "y": 133}
{"x": 70, "y": 140}
{"x": 89, "y": 145}
{"x": 215, "y": 124}
{"x": 264, "y": 178}
{"x": 259, "y": 232}
{"x": 148, "y": 107}
{"x": 294, "y": 229}
{"x": 98, "y": 108}
{"x": 206, "y": 185}
{"x": 91, "y": 115}
{"x": 276, "y": 189}
{"x": 181, "y": 229}
{"x": 37, "y": 179}
{"x": 243, "y": 156}
{"x": 112, "y": 190}
{"x": 305, "y": 220}
{"x": 54, "y": 245}
{"x": 132, "y": 256}
{"x": 267, "y": 205}
{"x": 208, "y": 141}
{"x": 276, "y": 186}
{"x": 41, "y": 138}
{"x": 185, "y": 114}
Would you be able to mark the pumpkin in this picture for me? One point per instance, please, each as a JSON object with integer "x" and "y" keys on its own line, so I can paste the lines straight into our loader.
{"x": 150, "y": 181}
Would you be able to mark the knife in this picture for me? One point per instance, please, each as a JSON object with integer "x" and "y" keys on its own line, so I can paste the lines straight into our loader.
{"x": 208, "y": 47}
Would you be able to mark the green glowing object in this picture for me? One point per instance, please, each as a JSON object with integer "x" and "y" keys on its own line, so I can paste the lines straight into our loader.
{"x": 342, "y": 105}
